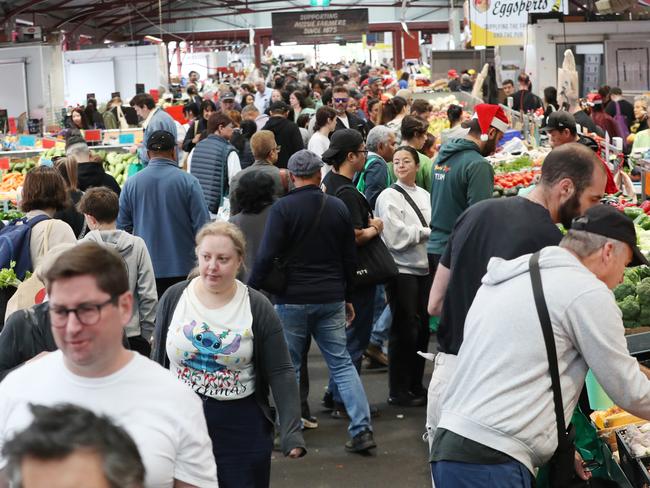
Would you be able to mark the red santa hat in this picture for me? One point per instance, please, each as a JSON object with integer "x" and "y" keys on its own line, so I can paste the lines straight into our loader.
{"x": 490, "y": 116}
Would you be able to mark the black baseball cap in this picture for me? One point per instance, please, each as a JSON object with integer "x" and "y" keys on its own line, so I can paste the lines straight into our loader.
{"x": 343, "y": 140}
{"x": 606, "y": 221}
{"x": 279, "y": 106}
{"x": 560, "y": 120}
{"x": 161, "y": 140}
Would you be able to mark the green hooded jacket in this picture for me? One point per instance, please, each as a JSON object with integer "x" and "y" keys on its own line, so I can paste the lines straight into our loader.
{"x": 461, "y": 177}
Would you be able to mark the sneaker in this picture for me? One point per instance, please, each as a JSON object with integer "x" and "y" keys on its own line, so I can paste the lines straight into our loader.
{"x": 407, "y": 400}
{"x": 374, "y": 352}
{"x": 361, "y": 442}
{"x": 328, "y": 401}
{"x": 309, "y": 422}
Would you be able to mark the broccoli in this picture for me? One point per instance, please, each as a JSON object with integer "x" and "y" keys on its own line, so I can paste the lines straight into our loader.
{"x": 632, "y": 274}
{"x": 627, "y": 288}
{"x": 643, "y": 291}
{"x": 629, "y": 308}
{"x": 643, "y": 271}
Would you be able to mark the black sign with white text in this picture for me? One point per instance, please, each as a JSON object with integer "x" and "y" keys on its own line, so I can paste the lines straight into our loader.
{"x": 320, "y": 26}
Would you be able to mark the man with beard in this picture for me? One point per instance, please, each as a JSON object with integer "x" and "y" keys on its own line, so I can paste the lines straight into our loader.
{"x": 344, "y": 118}
{"x": 573, "y": 180}
{"x": 462, "y": 176}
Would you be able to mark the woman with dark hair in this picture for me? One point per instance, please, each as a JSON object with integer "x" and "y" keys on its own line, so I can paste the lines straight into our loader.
{"x": 193, "y": 94}
{"x": 67, "y": 168}
{"x": 414, "y": 136}
{"x": 255, "y": 194}
{"x": 550, "y": 103}
{"x": 456, "y": 130}
{"x": 78, "y": 119}
{"x": 298, "y": 104}
{"x": 241, "y": 139}
{"x": 405, "y": 210}
{"x": 404, "y": 81}
{"x": 325, "y": 125}
{"x": 247, "y": 99}
{"x": 196, "y": 131}
{"x": 43, "y": 195}
{"x": 524, "y": 99}
{"x": 394, "y": 112}
{"x": 93, "y": 116}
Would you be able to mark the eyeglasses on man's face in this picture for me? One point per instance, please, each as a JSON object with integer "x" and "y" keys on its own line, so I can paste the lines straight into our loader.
{"x": 86, "y": 313}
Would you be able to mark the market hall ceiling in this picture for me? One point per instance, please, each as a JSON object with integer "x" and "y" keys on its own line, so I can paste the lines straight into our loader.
{"x": 133, "y": 17}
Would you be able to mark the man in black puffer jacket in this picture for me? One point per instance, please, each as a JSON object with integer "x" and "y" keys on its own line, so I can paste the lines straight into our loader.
{"x": 287, "y": 134}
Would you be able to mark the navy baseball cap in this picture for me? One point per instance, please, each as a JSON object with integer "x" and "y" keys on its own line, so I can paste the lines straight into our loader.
{"x": 161, "y": 140}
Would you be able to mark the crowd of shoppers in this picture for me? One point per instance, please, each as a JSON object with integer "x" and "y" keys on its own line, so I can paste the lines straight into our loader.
{"x": 264, "y": 225}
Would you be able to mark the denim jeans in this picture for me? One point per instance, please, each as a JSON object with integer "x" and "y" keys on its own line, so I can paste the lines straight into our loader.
{"x": 382, "y": 319}
{"x": 326, "y": 323}
{"x": 358, "y": 334}
{"x": 450, "y": 474}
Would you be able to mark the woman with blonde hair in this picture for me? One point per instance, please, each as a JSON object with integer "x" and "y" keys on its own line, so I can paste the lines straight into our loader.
{"x": 225, "y": 341}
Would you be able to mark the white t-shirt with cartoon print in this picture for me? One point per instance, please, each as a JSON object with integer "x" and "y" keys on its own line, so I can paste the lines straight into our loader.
{"x": 211, "y": 350}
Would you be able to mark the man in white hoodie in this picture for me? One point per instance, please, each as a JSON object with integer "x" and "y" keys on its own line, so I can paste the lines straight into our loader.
{"x": 100, "y": 207}
{"x": 498, "y": 422}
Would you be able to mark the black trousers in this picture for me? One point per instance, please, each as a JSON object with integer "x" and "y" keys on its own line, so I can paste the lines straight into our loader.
{"x": 408, "y": 296}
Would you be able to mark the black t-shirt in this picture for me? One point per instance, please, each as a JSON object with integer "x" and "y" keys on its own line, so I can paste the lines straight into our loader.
{"x": 353, "y": 199}
{"x": 585, "y": 121}
{"x": 505, "y": 228}
{"x": 525, "y": 101}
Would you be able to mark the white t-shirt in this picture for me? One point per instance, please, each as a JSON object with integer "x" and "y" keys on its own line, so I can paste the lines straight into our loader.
{"x": 163, "y": 416}
{"x": 211, "y": 350}
{"x": 344, "y": 120}
{"x": 318, "y": 143}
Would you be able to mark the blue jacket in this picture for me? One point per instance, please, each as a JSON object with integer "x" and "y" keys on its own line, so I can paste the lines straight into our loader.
{"x": 210, "y": 166}
{"x": 160, "y": 120}
{"x": 323, "y": 268}
{"x": 164, "y": 205}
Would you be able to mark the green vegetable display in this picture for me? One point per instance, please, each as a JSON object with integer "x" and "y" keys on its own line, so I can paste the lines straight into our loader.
{"x": 8, "y": 277}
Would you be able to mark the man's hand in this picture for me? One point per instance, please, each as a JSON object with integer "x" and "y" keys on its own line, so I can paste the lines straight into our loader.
{"x": 580, "y": 466}
{"x": 133, "y": 149}
{"x": 377, "y": 224}
{"x": 297, "y": 452}
{"x": 349, "y": 314}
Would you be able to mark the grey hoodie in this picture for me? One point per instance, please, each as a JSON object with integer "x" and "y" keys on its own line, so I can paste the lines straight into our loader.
{"x": 500, "y": 395}
{"x": 142, "y": 282}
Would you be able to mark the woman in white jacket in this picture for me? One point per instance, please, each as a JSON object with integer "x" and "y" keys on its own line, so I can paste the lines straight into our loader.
{"x": 405, "y": 210}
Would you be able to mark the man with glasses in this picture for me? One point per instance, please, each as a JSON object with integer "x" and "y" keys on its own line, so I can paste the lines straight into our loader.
{"x": 344, "y": 118}
{"x": 266, "y": 151}
{"x": 90, "y": 304}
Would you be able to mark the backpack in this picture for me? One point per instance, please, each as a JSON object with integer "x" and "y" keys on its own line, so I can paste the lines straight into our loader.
{"x": 361, "y": 177}
{"x": 15, "y": 244}
{"x": 621, "y": 123}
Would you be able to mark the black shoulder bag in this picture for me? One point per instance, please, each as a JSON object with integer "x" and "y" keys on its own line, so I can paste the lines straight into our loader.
{"x": 375, "y": 265}
{"x": 562, "y": 465}
{"x": 410, "y": 201}
{"x": 276, "y": 280}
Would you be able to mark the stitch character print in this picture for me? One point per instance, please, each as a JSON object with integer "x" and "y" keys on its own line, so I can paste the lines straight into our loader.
{"x": 207, "y": 370}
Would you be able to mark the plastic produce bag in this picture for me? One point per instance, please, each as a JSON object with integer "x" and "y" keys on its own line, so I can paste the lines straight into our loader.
{"x": 593, "y": 451}
{"x": 133, "y": 169}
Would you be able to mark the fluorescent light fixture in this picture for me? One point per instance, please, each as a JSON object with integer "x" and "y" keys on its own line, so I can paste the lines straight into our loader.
{"x": 292, "y": 43}
{"x": 152, "y": 38}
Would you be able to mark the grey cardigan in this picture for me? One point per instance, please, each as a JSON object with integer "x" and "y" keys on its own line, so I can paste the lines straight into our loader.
{"x": 271, "y": 361}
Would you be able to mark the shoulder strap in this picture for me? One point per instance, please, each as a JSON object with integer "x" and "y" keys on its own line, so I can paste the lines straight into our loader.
{"x": 356, "y": 190}
{"x": 549, "y": 341}
{"x": 284, "y": 179}
{"x": 410, "y": 201}
{"x": 294, "y": 250}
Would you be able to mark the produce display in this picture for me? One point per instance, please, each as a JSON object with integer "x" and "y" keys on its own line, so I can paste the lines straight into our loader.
{"x": 638, "y": 439}
{"x": 117, "y": 165}
{"x": 633, "y": 297}
{"x": 438, "y": 120}
{"x": 512, "y": 175}
{"x": 11, "y": 182}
